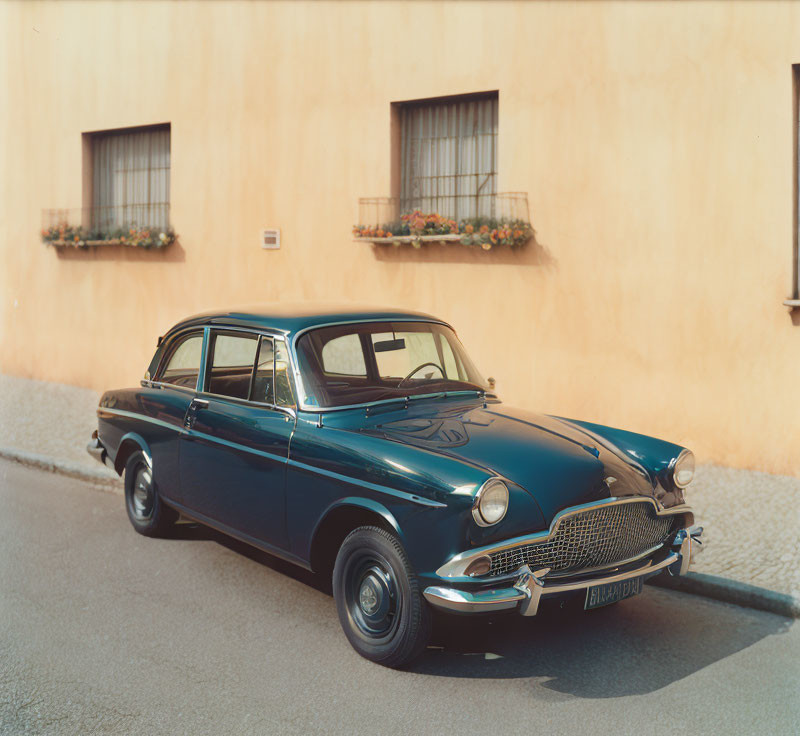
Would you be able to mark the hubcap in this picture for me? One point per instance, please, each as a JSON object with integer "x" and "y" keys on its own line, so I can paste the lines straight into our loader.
{"x": 142, "y": 496}
{"x": 372, "y": 596}
{"x": 368, "y": 598}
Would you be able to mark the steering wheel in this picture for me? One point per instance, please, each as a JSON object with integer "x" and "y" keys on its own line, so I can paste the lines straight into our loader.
{"x": 419, "y": 368}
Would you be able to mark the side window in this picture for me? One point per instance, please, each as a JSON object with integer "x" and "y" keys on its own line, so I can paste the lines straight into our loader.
{"x": 231, "y": 364}
{"x": 183, "y": 363}
{"x": 344, "y": 356}
{"x": 264, "y": 381}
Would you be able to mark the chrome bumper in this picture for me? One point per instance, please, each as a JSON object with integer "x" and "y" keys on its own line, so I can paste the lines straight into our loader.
{"x": 98, "y": 452}
{"x": 531, "y": 586}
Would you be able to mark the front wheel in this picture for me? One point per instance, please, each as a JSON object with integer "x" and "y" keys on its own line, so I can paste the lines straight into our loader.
{"x": 380, "y": 605}
{"x": 146, "y": 511}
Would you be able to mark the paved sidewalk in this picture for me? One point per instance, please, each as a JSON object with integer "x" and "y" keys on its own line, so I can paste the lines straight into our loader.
{"x": 752, "y": 519}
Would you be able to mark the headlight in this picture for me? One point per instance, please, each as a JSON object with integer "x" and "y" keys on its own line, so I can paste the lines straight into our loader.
{"x": 491, "y": 502}
{"x": 683, "y": 470}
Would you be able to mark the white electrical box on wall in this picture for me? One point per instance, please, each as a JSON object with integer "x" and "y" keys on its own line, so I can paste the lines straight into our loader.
{"x": 271, "y": 239}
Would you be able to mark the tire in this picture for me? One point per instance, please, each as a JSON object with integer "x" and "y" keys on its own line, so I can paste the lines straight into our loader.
{"x": 380, "y": 605}
{"x": 146, "y": 511}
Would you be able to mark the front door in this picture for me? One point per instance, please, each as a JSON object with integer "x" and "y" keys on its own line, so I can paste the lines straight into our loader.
{"x": 235, "y": 449}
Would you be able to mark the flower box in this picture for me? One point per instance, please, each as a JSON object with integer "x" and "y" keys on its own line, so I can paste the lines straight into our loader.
{"x": 59, "y": 228}
{"x": 508, "y": 225}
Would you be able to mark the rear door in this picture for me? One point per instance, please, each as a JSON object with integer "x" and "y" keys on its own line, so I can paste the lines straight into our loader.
{"x": 235, "y": 448}
{"x": 177, "y": 383}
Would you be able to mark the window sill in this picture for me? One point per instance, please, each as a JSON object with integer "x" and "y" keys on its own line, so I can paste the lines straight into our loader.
{"x": 408, "y": 239}
{"x": 792, "y": 303}
{"x": 96, "y": 243}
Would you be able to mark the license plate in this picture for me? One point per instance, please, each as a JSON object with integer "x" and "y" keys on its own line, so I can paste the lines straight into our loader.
{"x": 603, "y": 595}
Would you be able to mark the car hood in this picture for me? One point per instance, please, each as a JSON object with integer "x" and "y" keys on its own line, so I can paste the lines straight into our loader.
{"x": 558, "y": 463}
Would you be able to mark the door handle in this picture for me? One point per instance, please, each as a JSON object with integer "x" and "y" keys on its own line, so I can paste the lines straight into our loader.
{"x": 191, "y": 412}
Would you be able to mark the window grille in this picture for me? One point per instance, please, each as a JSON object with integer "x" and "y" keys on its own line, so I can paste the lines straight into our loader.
{"x": 449, "y": 156}
{"x": 130, "y": 178}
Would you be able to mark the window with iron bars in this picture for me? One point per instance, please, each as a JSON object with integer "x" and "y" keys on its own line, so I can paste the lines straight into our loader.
{"x": 130, "y": 178}
{"x": 449, "y": 156}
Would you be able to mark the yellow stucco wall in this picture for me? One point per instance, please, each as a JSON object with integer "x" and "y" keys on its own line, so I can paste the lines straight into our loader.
{"x": 654, "y": 141}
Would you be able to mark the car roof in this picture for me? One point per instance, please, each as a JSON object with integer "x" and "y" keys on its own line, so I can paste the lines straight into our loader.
{"x": 294, "y": 318}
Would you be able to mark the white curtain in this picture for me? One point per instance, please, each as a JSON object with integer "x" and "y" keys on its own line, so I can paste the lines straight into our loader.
{"x": 449, "y": 157}
{"x": 130, "y": 184}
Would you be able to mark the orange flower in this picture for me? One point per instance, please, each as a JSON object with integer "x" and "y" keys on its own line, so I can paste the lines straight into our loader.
{"x": 468, "y": 229}
{"x": 419, "y": 224}
{"x": 493, "y": 236}
{"x": 379, "y": 233}
{"x": 517, "y": 234}
{"x": 484, "y": 229}
{"x": 76, "y": 238}
{"x": 388, "y": 235}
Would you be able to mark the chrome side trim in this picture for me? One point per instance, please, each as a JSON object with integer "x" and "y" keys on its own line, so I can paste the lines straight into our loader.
{"x": 372, "y": 486}
{"x": 456, "y": 565}
{"x": 412, "y": 498}
{"x": 143, "y": 417}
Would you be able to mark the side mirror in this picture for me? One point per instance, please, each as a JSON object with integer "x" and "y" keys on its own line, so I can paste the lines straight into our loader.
{"x": 491, "y": 382}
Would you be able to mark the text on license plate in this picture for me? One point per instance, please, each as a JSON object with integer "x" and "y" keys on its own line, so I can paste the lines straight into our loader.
{"x": 602, "y": 595}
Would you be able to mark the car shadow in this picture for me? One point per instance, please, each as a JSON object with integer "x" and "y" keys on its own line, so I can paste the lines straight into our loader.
{"x": 635, "y": 647}
{"x": 191, "y": 531}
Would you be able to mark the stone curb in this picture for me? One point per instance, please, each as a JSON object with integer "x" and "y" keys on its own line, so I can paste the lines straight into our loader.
{"x": 96, "y": 476}
{"x": 732, "y": 591}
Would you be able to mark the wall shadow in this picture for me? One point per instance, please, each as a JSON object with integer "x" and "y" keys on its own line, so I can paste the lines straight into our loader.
{"x": 533, "y": 253}
{"x": 173, "y": 253}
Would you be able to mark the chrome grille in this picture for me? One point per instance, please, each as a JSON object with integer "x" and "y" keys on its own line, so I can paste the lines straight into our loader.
{"x": 597, "y": 537}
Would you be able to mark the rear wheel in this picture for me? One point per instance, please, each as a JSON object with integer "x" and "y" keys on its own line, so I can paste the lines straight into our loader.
{"x": 380, "y": 605}
{"x": 146, "y": 511}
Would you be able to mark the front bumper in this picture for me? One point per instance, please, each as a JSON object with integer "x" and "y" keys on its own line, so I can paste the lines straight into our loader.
{"x": 531, "y": 586}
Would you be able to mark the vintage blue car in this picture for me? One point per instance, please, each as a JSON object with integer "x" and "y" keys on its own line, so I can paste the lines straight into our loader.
{"x": 364, "y": 445}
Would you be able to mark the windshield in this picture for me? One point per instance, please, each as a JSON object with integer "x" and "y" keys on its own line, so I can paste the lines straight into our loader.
{"x": 354, "y": 364}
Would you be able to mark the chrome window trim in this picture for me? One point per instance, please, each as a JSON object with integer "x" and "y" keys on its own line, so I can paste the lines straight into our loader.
{"x": 456, "y": 565}
{"x": 274, "y": 336}
{"x": 197, "y": 391}
{"x": 167, "y": 353}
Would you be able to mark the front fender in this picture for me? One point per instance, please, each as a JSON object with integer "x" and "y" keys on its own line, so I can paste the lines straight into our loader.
{"x": 368, "y": 504}
{"x": 653, "y": 455}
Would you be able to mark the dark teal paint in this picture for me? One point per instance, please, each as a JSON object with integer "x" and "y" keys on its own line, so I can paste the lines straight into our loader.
{"x": 248, "y": 471}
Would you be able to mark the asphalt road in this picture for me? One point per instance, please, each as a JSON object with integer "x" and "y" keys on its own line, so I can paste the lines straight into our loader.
{"x": 104, "y": 631}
